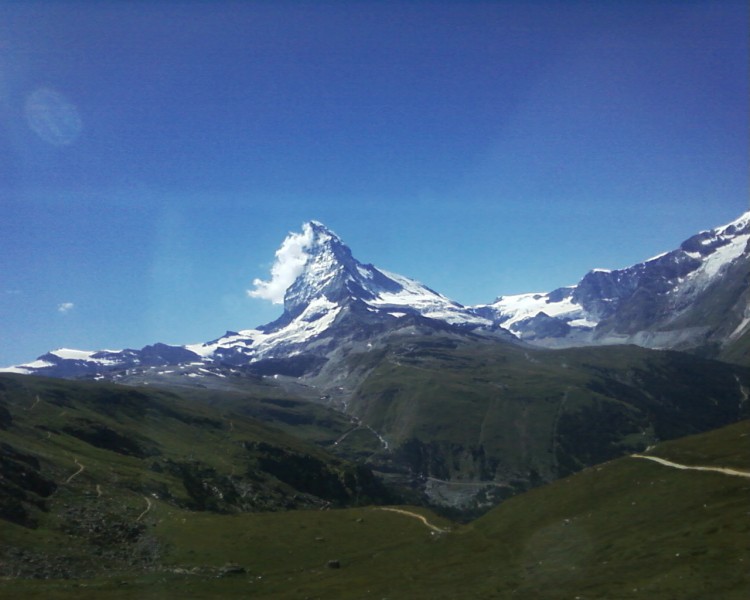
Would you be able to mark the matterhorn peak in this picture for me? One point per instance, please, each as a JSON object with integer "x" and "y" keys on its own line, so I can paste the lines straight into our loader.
{"x": 324, "y": 244}
{"x": 330, "y": 271}
{"x": 309, "y": 264}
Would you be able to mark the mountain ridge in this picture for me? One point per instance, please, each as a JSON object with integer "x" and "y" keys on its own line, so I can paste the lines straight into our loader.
{"x": 648, "y": 304}
{"x": 663, "y": 302}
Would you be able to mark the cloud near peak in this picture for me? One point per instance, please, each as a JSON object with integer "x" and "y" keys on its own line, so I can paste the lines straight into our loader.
{"x": 291, "y": 258}
{"x": 65, "y": 307}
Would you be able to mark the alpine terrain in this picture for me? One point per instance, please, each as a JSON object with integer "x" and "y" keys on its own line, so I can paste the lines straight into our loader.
{"x": 278, "y": 461}
{"x": 461, "y": 403}
{"x": 693, "y": 298}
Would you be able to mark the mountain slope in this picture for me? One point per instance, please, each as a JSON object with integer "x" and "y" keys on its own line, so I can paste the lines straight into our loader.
{"x": 694, "y": 297}
{"x": 107, "y": 443}
{"x": 476, "y": 421}
{"x": 626, "y": 529}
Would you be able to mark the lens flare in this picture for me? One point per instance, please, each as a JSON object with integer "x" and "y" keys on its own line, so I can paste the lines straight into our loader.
{"x": 52, "y": 117}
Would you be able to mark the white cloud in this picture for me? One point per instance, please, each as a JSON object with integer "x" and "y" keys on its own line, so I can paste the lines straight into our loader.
{"x": 65, "y": 307}
{"x": 291, "y": 258}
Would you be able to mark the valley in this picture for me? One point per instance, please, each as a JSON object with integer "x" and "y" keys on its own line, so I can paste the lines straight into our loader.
{"x": 624, "y": 529}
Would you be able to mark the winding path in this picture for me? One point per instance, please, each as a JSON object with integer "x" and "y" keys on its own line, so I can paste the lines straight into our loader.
{"x": 674, "y": 465}
{"x": 148, "y": 508}
{"x": 80, "y": 470}
{"x": 414, "y": 515}
{"x": 475, "y": 484}
{"x": 343, "y": 437}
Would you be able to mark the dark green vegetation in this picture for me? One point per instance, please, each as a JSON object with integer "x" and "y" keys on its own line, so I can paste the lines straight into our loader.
{"x": 81, "y": 461}
{"x": 512, "y": 418}
{"x": 629, "y": 528}
{"x": 112, "y": 491}
{"x": 738, "y": 350}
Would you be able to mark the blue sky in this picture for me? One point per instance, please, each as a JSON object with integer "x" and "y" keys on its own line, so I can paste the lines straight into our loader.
{"x": 153, "y": 156}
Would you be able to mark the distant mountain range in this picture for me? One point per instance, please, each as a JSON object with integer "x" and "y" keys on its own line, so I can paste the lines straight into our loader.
{"x": 469, "y": 405}
{"x": 693, "y": 298}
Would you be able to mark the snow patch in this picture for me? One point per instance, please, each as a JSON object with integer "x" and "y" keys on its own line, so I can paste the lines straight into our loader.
{"x": 716, "y": 262}
{"x": 70, "y": 354}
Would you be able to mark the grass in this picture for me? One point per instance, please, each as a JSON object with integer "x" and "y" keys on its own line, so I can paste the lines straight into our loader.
{"x": 520, "y": 416}
{"x": 625, "y": 529}
{"x": 203, "y": 461}
{"x": 84, "y": 459}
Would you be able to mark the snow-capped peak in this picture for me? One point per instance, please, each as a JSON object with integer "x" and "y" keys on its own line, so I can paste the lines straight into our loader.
{"x": 328, "y": 268}
{"x": 325, "y": 268}
{"x": 646, "y": 295}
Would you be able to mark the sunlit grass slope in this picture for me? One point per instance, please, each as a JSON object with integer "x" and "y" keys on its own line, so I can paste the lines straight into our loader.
{"x": 629, "y": 528}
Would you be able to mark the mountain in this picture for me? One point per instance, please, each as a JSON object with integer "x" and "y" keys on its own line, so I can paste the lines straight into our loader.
{"x": 472, "y": 421}
{"x": 122, "y": 444}
{"x": 333, "y": 298}
{"x": 696, "y": 297}
{"x": 458, "y": 407}
{"x": 693, "y": 298}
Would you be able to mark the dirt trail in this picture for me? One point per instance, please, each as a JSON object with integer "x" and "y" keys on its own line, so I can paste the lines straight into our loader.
{"x": 80, "y": 470}
{"x": 414, "y": 515}
{"x": 475, "y": 484}
{"x": 343, "y": 437}
{"x": 148, "y": 508}
{"x": 674, "y": 465}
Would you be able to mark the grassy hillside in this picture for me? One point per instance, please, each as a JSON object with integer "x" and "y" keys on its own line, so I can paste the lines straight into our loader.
{"x": 626, "y": 529}
{"x": 83, "y": 461}
{"x": 513, "y": 418}
{"x": 738, "y": 350}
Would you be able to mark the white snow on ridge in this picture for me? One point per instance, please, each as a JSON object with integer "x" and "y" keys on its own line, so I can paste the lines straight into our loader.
{"x": 70, "y": 354}
{"x": 313, "y": 321}
{"x": 63, "y": 354}
{"x": 741, "y": 222}
{"x": 657, "y": 257}
{"x": 714, "y": 262}
{"x": 525, "y": 306}
{"x": 27, "y": 368}
{"x": 317, "y": 308}
{"x": 428, "y": 303}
